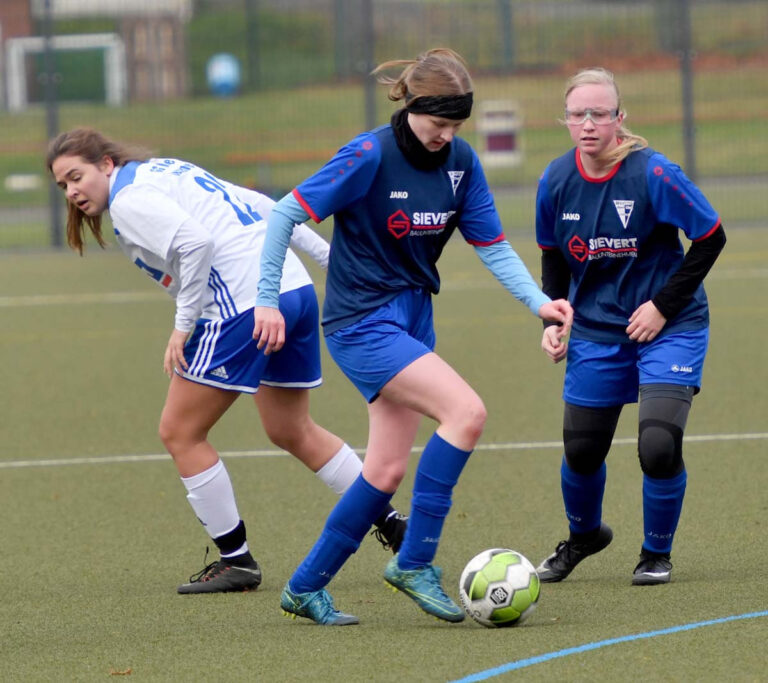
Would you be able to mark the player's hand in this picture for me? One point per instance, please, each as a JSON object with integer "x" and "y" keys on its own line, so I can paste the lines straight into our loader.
{"x": 174, "y": 353}
{"x": 555, "y": 346}
{"x": 558, "y": 311}
{"x": 645, "y": 323}
{"x": 268, "y": 329}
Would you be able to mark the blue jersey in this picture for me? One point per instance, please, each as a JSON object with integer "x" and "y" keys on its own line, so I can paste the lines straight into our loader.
{"x": 620, "y": 237}
{"x": 392, "y": 220}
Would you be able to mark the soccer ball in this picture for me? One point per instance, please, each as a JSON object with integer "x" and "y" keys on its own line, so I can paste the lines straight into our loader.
{"x": 499, "y": 587}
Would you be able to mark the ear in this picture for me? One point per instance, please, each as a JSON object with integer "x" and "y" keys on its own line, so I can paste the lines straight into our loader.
{"x": 106, "y": 165}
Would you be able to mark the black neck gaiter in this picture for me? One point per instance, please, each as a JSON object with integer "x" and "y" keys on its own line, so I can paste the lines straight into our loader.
{"x": 416, "y": 154}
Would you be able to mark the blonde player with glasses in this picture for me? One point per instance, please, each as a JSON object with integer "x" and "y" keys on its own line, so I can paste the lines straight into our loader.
{"x": 200, "y": 238}
{"x": 608, "y": 215}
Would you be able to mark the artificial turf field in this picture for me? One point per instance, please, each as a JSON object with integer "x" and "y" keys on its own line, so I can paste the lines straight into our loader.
{"x": 96, "y": 533}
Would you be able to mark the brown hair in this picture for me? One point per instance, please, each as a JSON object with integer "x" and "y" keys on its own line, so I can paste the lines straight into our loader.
{"x": 92, "y": 146}
{"x": 439, "y": 71}
{"x": 628, "y": 141}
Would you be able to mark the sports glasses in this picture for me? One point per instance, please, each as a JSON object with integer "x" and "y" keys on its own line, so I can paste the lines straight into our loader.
{"x": 600, "y": 117}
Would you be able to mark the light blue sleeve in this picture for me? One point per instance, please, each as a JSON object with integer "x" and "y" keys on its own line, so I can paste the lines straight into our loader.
{"x": 508, "y": 268}
{"x": 285, "y": 214}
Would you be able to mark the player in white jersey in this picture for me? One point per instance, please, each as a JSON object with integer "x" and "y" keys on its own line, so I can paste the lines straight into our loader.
{"x": 200, "y": 238}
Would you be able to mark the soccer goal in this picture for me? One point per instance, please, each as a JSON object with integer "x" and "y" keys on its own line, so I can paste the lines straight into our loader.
{"x": 19, "y": 49}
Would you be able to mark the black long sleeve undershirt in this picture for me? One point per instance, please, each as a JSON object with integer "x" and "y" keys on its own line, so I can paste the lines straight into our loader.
{"x": 673, "y": 297}
{"x": 678, "y": 291}
{"x": 555, "y": 276}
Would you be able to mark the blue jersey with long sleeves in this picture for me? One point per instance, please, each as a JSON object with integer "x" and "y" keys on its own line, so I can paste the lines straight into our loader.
{"x": 620, "y": 237}
{"x": 392, "y": 220}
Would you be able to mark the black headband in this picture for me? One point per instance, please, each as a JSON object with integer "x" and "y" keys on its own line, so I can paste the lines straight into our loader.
{"x": 456, "y": 107}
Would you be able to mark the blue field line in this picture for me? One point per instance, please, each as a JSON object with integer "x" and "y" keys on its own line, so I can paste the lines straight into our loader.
{"x": 540, "y": 659}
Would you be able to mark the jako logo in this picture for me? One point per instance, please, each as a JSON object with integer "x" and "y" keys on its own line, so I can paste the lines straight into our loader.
{"x": 397, "y": 194}
{"x": 578, "y": 248}
{"x": 681, "y": 368}
{"x": 399, "y": 224}
{"x": 571, "y": 216}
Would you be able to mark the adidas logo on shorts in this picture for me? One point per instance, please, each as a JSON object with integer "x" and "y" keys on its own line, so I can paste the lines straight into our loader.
{"x": 220, "y": 372}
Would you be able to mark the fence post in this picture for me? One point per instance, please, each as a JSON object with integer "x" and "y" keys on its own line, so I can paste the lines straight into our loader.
{"x": 686, "y": 76}
{"x": 51, "y": 122}
{"x": 506, "y": 23}
{"x": 369, "y": 43}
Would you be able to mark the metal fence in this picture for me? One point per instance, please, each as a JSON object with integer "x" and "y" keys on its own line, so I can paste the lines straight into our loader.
{"x": 262, "y": 91}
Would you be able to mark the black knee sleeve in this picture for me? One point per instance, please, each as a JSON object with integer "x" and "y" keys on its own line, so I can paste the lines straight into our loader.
{"x": 587, "y": 436}
{"x": 663, "y": 413}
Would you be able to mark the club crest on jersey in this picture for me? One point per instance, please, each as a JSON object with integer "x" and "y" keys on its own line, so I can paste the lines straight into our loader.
{"x": 455, "y": 177}
{"x": 624, "y": 209}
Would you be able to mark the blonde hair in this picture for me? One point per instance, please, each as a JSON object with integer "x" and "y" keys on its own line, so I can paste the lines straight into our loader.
{"x": 92, "y": 146}
{"x": 439, "y": 71}
{"x": 628, "y": 141}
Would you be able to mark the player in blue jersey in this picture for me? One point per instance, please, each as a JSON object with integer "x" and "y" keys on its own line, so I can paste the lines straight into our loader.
{"x": 397, "y": 194}
{"x": 608, "y": 214}
{"x": 200, "y": 239}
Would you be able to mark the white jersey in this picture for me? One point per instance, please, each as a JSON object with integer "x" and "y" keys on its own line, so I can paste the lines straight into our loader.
{"x": 200, "y": 237}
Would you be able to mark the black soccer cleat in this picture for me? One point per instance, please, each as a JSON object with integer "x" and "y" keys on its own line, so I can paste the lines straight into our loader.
{"x": 223, "y": 576}
{"x": 391, "y": 533}
{"x": 653, "y": 568}
{"x": 569, "y": 553}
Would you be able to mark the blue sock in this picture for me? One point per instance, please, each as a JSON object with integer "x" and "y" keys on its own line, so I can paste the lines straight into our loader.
{"x": 436, "y": 475}
{"x": 583, "y": 498}
{"x": 662, "y": 505}
{"x": 345, "y": 528}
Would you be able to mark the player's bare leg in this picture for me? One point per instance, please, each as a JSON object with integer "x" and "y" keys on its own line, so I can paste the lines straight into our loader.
{"x": 190, "y": 411}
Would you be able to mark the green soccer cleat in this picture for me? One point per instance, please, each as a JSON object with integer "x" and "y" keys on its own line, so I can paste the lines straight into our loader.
{"x": 423, "y": 587}
{"x": 315, "y": 605}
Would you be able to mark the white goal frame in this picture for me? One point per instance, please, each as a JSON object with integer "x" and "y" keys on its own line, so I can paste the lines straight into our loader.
{"x": 115, "y": 78}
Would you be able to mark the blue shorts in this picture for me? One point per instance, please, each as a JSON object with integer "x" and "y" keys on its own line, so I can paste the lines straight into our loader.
{"x": 371, "y": 351}
{"x": 601, "y": 375}
{"x": 223, "y": 353}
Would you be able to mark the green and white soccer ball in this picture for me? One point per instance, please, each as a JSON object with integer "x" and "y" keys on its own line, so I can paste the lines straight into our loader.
{"x": 499, "y": 587}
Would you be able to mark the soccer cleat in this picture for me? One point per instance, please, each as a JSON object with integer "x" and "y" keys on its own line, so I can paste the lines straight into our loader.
{"x": 224, "y": 577}
{"x": 569, "y": 553}
{"x": 423, "y": 587}
{"x": 391, "y": 533}
{"x": 315, "y": 605}
{"x": 653, "y": 568}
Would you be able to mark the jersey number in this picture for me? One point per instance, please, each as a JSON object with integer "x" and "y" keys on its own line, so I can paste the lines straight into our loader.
{"x": 245, "y": 214}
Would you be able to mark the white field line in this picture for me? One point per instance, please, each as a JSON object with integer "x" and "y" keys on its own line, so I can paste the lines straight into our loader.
{"x": 86, "y": 298}
{"x": 266, "y": 453}
{"x": 89, "y": 298}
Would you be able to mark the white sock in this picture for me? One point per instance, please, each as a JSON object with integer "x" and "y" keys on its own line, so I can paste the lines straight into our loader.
{"x": 341, "y": 470}
{"x": 212, "y": 497}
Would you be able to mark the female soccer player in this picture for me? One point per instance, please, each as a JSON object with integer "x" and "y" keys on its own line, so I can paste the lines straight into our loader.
{"x": 397, "y": 193}
{"x": 200, "y": 238}
{"x": 607, "y": 219}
